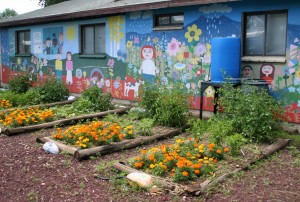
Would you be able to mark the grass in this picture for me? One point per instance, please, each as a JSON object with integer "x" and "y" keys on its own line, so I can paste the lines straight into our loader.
{"x": 295, "y": 138}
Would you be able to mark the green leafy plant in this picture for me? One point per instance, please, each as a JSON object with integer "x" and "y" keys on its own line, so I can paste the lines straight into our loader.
{"x": 167, "y": 106}
{"x": 53, "y": 91}
{"x": 235, "y": 142}
{"x": 197, "y": 127}
{"x": 99, "y": 101}
{"x": 20, "y": 83}
{"x": 253, "y": 113}
{"x": 144, "y": 127}
{"x": 219, "y": 129}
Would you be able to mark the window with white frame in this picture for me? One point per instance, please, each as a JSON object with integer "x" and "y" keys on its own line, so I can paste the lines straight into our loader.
{"x": 93, "y": 39}
{"x": 265, "y": 33}
{"x": 23, "y": 42}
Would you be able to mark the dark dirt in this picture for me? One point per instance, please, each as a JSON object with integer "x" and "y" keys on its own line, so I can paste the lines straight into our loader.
{"x": 30, "y": 174}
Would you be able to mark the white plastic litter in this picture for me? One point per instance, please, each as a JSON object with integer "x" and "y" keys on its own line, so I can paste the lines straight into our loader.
{"x": 71, "y": 97}
{"x": 142, "y": 179}
{"x": 50, "y": 147}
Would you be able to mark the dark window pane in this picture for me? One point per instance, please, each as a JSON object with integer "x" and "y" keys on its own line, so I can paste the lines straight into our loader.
{"x": 255, "y": 35}
{"x": 23, "y": 42}
{"x": 165, "y": 20}
{"x": 88, "y": 41}
{"x": 276, "y": 34}
{"x": 100, "y": 39}
{"x": 177, "y": 19}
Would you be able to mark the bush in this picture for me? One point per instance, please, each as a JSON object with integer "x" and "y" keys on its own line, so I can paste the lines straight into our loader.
{"x": 20, "y": 83}
{"x": 252, "y": 112}
{"x": 53, "y": 91}
{"x": 168, "y": 107}
{"x": 98, "y": 100}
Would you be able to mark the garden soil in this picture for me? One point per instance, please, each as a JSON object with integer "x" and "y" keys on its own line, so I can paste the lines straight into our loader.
{"x": 28, "y": 173}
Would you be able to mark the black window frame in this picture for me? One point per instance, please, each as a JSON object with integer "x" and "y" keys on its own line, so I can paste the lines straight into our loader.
{"x": 82, "y": 37}
{"x": 17, "y": 46}
{"x": 265, "y": 13}
{"x": 170, "y": 24}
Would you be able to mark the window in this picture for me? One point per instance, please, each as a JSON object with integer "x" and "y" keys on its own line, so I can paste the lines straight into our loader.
{"x": 93, "y": 39}
{"x": 169, "y": 21}
{"x": 265, "y": 33}
{"x": 23, "y": 42}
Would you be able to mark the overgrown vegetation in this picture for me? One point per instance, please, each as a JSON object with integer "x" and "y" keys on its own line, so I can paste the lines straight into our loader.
{"x": 252, "y": 113}
{"x": 53, "y": 91}
{"x": 167, "y": 106}
{"x": 20, "y": 83}
{"x": 93, "y": 100}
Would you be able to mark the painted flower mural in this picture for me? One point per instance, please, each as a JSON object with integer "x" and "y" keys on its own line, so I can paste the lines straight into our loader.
{"x": 173, "y": 47}
{"x": 193, "y": 33}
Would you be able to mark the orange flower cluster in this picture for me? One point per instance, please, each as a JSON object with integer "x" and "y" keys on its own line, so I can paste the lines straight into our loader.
{"x": 24, "y": 117}
{"x": 183, "y": 160}
{"x": 94, "y": 134}
{"x": 4, "y": 104}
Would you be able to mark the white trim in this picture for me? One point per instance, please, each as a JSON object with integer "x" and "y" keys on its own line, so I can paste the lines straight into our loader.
{"x": 276, "y": 59}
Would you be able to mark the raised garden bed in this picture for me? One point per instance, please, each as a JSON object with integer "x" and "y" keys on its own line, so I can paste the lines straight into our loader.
{"x": 81, "y": 154}
{"x": 18, "y": 130}
{"x": 226, "y": 169}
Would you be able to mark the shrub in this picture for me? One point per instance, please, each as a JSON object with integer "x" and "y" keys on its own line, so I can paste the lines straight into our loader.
{"x": 53, "y": 91}
{"x": 253, "y": 113}
{"x": 20, "y": 83}
{"x": 99, "y": 101}
{"x": 166, "y": 106}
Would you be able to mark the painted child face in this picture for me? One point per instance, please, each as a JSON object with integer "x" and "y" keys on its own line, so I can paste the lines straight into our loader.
{"x": 267, "y": 69}
{"x": 147, "y": 53}
{"x": 69, "y": 57}
{"x": 48, "y": 43}
{"x": 247, "y": 72}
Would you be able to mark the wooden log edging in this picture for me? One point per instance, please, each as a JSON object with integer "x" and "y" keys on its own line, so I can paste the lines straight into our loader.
{"x": 24, "y": 129}
{"x": 69, "y": 149}
{"x": 201, "y": 189}
{"x": 82, "y": 154}
{"x": 107, "y": 149}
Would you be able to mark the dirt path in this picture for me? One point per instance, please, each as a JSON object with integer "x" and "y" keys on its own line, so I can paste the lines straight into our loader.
{"x": 30, "y": 174}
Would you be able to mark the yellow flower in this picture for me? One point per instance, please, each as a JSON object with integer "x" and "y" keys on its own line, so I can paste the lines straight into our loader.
{"x": 297, "y": 74}
{"x": 129, "y": 44}
{"x": 152, "y": 166}
{"x": 193, "y": 33}
{"x": 194, "y": 60}
{"x": 180, "y": 57}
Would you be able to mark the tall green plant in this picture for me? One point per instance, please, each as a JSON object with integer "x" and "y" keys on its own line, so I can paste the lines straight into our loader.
{"x": 53, "y": 91}
{"x": 99, "y": 101}
{"x": 167, "y": 106}
{"x": 252, "y": 111}
{"x": 20, "y": 83}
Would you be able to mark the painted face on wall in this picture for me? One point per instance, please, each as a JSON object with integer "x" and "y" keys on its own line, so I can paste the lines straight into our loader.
{"x": 69, "y": 56}
{"x": 247, "y": 72}
{"x": 147, "y": 53}
{"x": 267, "y": 70}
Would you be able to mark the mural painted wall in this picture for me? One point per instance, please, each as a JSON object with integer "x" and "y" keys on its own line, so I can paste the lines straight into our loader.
{"x": 136, "y": 54}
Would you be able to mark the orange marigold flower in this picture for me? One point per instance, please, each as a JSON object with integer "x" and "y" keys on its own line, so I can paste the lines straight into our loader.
{"x": 144, "y": 151}
{"x": 197, "y": 172}
{"x": 226, "y": 149}
{"x": 184, "y": 173}
{"x": 219, "y": 151}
